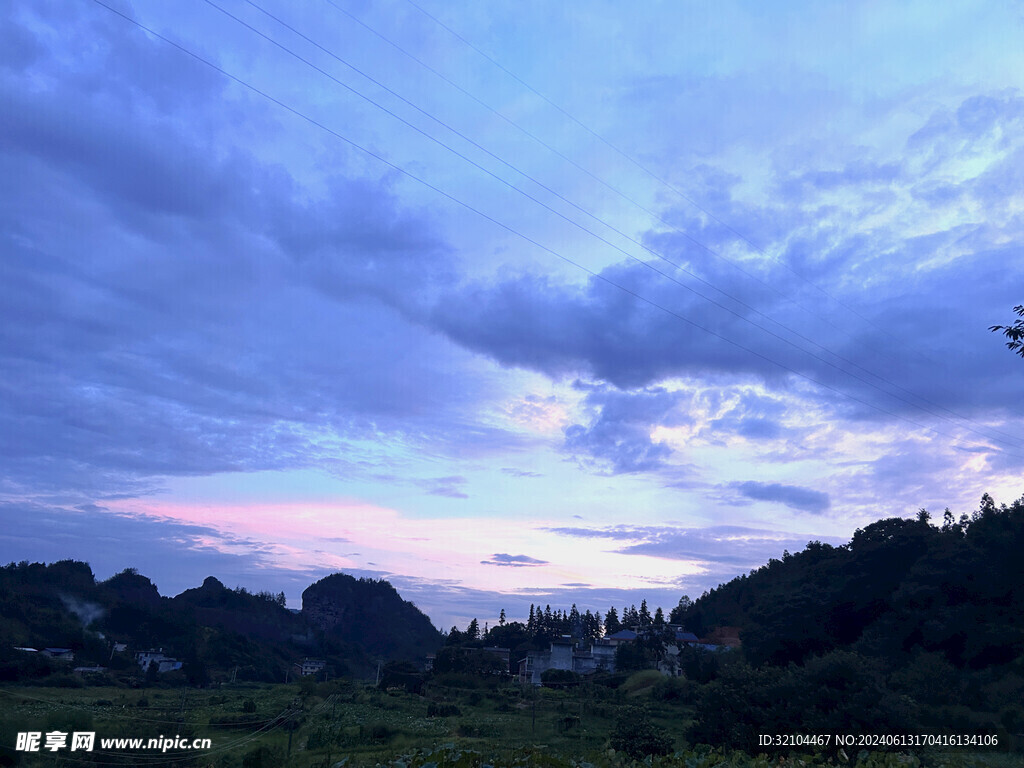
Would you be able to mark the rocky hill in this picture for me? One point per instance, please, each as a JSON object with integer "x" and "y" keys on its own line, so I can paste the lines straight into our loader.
{"x": 214, "y": 630}
{"x": 367, "y": 613}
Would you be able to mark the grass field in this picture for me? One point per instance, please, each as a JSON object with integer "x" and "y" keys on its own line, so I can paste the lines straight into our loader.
{"x": 350, "y": 724}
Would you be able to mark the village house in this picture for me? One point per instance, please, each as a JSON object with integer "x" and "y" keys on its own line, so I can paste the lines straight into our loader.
{"x": 163, "y": 663}
{"x": 620, "y": 637}
{"x": 59, "y": 654}
{"x": 564, "y": 654}
{"x": 312, "y": 666}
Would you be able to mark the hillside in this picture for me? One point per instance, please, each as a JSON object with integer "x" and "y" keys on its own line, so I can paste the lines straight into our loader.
{"x": 369, "y": 614}
{"x": 211, "y": 628}
{"x": 898, "y": 588}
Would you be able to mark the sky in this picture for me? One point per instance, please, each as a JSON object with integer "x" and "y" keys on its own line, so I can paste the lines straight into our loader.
{"x": 505, "y": 302}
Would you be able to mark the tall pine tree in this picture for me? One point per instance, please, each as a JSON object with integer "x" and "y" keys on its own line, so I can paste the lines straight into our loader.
{"x": 611, "y": 621}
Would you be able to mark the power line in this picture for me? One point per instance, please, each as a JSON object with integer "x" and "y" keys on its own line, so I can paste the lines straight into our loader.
{"x": 511, "y": 230}
{"x": 611, "y": 187}
{"x": 522, "y": 192}
{"x": 668, "y": 185}
{"x": 646, "y": 210}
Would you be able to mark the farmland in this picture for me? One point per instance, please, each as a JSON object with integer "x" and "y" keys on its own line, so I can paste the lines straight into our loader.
{"x": 456, "y": 721}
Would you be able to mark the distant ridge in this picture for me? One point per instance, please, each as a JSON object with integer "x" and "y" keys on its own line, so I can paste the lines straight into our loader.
{"x": 215, "y": 631}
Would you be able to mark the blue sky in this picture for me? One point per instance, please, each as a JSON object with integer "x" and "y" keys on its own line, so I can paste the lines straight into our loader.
{"x": 507, "y": 303}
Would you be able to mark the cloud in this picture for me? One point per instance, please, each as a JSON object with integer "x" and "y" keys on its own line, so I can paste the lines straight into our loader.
{"x": 886, "y": 322}
{"x": 173, "y": 552}
{"x": 619, "y": 434}
{"x": 520, "y": 472}
{"x": 746, "y": 413}
{"x": 174, "y": 303}
{"x": 794, "y": 497}
{"x": 722, "y": 551}
{"x": 451, "y": 487}
{"x": 513, "y": 561}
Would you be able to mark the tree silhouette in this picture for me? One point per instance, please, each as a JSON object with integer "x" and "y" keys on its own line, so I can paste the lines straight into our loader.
{"x": 1015, "y": 332}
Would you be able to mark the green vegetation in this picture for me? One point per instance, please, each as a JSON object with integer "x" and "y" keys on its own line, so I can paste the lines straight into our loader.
{"x": 218, "y": 634}
{"x": 319, "y": 725}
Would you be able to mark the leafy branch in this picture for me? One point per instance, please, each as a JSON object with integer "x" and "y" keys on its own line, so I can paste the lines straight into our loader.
{"x": 1015, "y": 332}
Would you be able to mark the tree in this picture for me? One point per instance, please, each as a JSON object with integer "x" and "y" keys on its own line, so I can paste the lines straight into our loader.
{"x": 501, "y": 618}
{"x": 638, "y": 737}
{"x": 611, "y": 622}
{"x": 1015, "y": 332}
{"x": 575, "y": 622}
{"x": 644, "y": 614}
{"x": 630, "y": 617}
{"x": 678, "y": 614}
{"x": 402, "y": 674}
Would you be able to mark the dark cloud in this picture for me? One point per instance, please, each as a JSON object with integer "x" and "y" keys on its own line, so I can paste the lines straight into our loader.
{"x": 794, "y": 497}
{"x": 745, "y": 413}
{"x": 893, "y": 318}
{"x": 619, "y": 434}
{"x": 903, "y": 362}
{"x": 173, "y": 305}
{"x": 513, "y": 561}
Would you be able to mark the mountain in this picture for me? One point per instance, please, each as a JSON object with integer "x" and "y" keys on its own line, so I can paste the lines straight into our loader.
{"x": 214, "y": 630}
{"x": 366, "y": 613}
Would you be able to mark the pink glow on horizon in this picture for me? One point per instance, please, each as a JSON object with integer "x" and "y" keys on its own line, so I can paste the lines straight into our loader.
{"x": 354, "y": 535}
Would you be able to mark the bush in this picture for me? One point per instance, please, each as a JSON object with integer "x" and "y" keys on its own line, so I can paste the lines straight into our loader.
{"x": 671, "y": 689}
{"x": 638, "y": 737}
{"x": 470, "y": 729}
{"x": 377, "y": 733}
{"x": 442, "y": 709}
{"x": 558, "y": 677}
{"x": 248, "y": 705}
